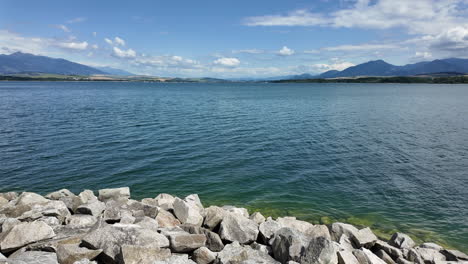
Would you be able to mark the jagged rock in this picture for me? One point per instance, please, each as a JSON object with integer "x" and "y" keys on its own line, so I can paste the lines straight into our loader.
{"x": 213, "y": 241}
{"x": 25, "y": 233}
{"x": 403, "y": 261}
{"x": 195, "y": 200}
{"x": 34, "y": 257}
{"x": 23, "y": 204}
{"x": 365, "y": 237}
{"x": 346, "y": 257}
{"x": 147, "y": 223}
{"x": 384, "y": 256}
{"x": 213, "y": 216}
{"x": 176, "y": 259}
{"x": 81, "y": 221}
{"x": 126, "y": 217}
{"x": 50, "y": 220}
{"x": 236, "y": 210}
{"x": 85, "y": 261}
{"x": 364, "y": 255}
{"x": 429, "y": 254}
{"x": 235, "y": 253}
{"x": 267, "y": 229}
{"x": 183, "y": 242}
{"x": 288, "y": 244}
{"x": 9, "y": 223}
{"x": 292, "y": 222}
{"x": 414, "y": 256}
{"x": 236, "y": 227}
{"x": 204, "y": 256}
{"x": 70, "y": 199}
{"x": 111, "y": 237}
{"x": 320, "y": 250}
{"x": 70, "y": 253}
{"x": 339, "y": 229}
{"x": 401, "y": 240}
{"x": 187, "y": 212}
{"x": 87, "y": 196}
{"x": 165, "y": 201}
{"x": 114, "y": 194}
{"x": 454, "y": 255}
{"x": 166, "y": 219}
{"x": 131, "y": 254}
{"x": 257, "y": 217}
{"x": 56, "y": 209}
{"x": 94, "y": 208}
{"x": 432, "y": 246}
{"x": 390, "y": 250}
{"x": 59, "y": 194}
{"x": 140, "y": 209}
{"x": 3, "y": 202}
{"x": 319, "y": 231}
{"x": 2, "y": 257}
{"x": 10, "y": 196}
{"x": 260, "y": 247}
{"x": 345, "y": 243}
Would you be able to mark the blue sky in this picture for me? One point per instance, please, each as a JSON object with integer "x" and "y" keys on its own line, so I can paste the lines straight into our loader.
{"x": 235, "y": 38}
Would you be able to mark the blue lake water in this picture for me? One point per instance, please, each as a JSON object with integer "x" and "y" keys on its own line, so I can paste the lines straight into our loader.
{"x": 393, "y": 156}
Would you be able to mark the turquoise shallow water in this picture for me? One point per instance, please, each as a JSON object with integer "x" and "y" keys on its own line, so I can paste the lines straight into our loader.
{"x": 392, "y": 156}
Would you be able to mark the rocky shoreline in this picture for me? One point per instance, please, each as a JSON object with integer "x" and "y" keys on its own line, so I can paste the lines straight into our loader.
{"x": 66, "y": 228}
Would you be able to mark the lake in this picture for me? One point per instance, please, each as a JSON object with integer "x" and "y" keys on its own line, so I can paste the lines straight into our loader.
{"x": 391, "y": 156}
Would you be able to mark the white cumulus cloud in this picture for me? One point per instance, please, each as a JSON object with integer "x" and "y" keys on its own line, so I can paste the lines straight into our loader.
{"x": 119, "y": 41}
{"x": 227, "y": 62}
{"x": 122, "y": 53}
{"x": 73, "y": 45}
{"x": 285, "y": 51}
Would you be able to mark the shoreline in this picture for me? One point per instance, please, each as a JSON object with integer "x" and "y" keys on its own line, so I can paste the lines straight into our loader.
{"x": 62, "y": 227}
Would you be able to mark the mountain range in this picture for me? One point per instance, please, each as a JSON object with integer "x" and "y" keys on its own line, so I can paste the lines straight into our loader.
{"x": 25, "y": 63}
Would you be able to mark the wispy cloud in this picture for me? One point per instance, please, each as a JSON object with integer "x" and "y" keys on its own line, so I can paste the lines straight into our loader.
{"x": 122, "y": 53}
{"x": 76, "y": 20}
{"x": 63, "y": 28}
{"x": 227, "y": 62}
{"x": 72, "y": 45}
{"x": 249, "y": 51}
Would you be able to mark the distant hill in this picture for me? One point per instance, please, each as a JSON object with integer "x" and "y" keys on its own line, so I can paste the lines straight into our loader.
{"x": 20, "y": 63}
{"x": 114, "y": 71}
{"x": 382, "y": 68}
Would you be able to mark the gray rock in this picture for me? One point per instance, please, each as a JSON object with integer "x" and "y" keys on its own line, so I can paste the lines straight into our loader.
{"x": 257, "y": 217}
{"x": 236, "y": 210}
{"x": 384, "y": 256}
{"x": 140, "y": 209}
{"x": 3, "y": 202}
{"x": 204, "y": 256}
{"x": 320, "y": 250}
{"x": 346, "y": 257}
{"x": 147, "y": 223}
{"x": 401, "y": 240}
{"x": 50, "y": 220}
{"x": 414, "y": 256}
{"x": 165, "y": 201}
{"x": 213, "y": 241}
{"x": 25, "y": 233}
{"x": 319, "y": 231}
{"x": 176, "y": 259}
{"x": 94, "y": 208}
{"x": 87, "y": 196}
{"x": 430, "y": 255}
{"x": 213, "y": 216}
{"x": 166, "y": 219}
{"x": 23, "y": 204}
{"x": 182, "y": 242}
{"x": 70, "y": 199}
{"x": 235, "y": 253}
{"x": 2, "y": 257}
{"x": 195, "y": 200}
{"x": 339, "y": 229}
{"x": 59, "y": 194}
{"x": 34, "y": 257}
{"x": 81, "y": 221}
{"x": 236, "y": 227}
{"x": 143, "y": 255}
{"x": 289, "y": 244}
{"x": 454, "y": 255}
{"x": 111, "y": 237}
{"x": 403, "y": 261}
{"x": 10, "y": 196}
{"x": 292, "y": 222}
{"x": 263, "y": 248}
{"x": 56, "y": 209}
{"x": 431, "y": 245}
{"x": 392, "y": 251}
{"x": 187, "y": 212}
{"x": 71, "y": 253}
{"x": 126, "y": 217}
{"x": 85, "y": 261}
{"x": 267, "y": 229}
{"x": 114, "y": 194}
{"x": 365, "y": 237}
{"x": 9, "y": 223}
{"x": 345, "y": 243}
{"x": 366, "y": 256}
